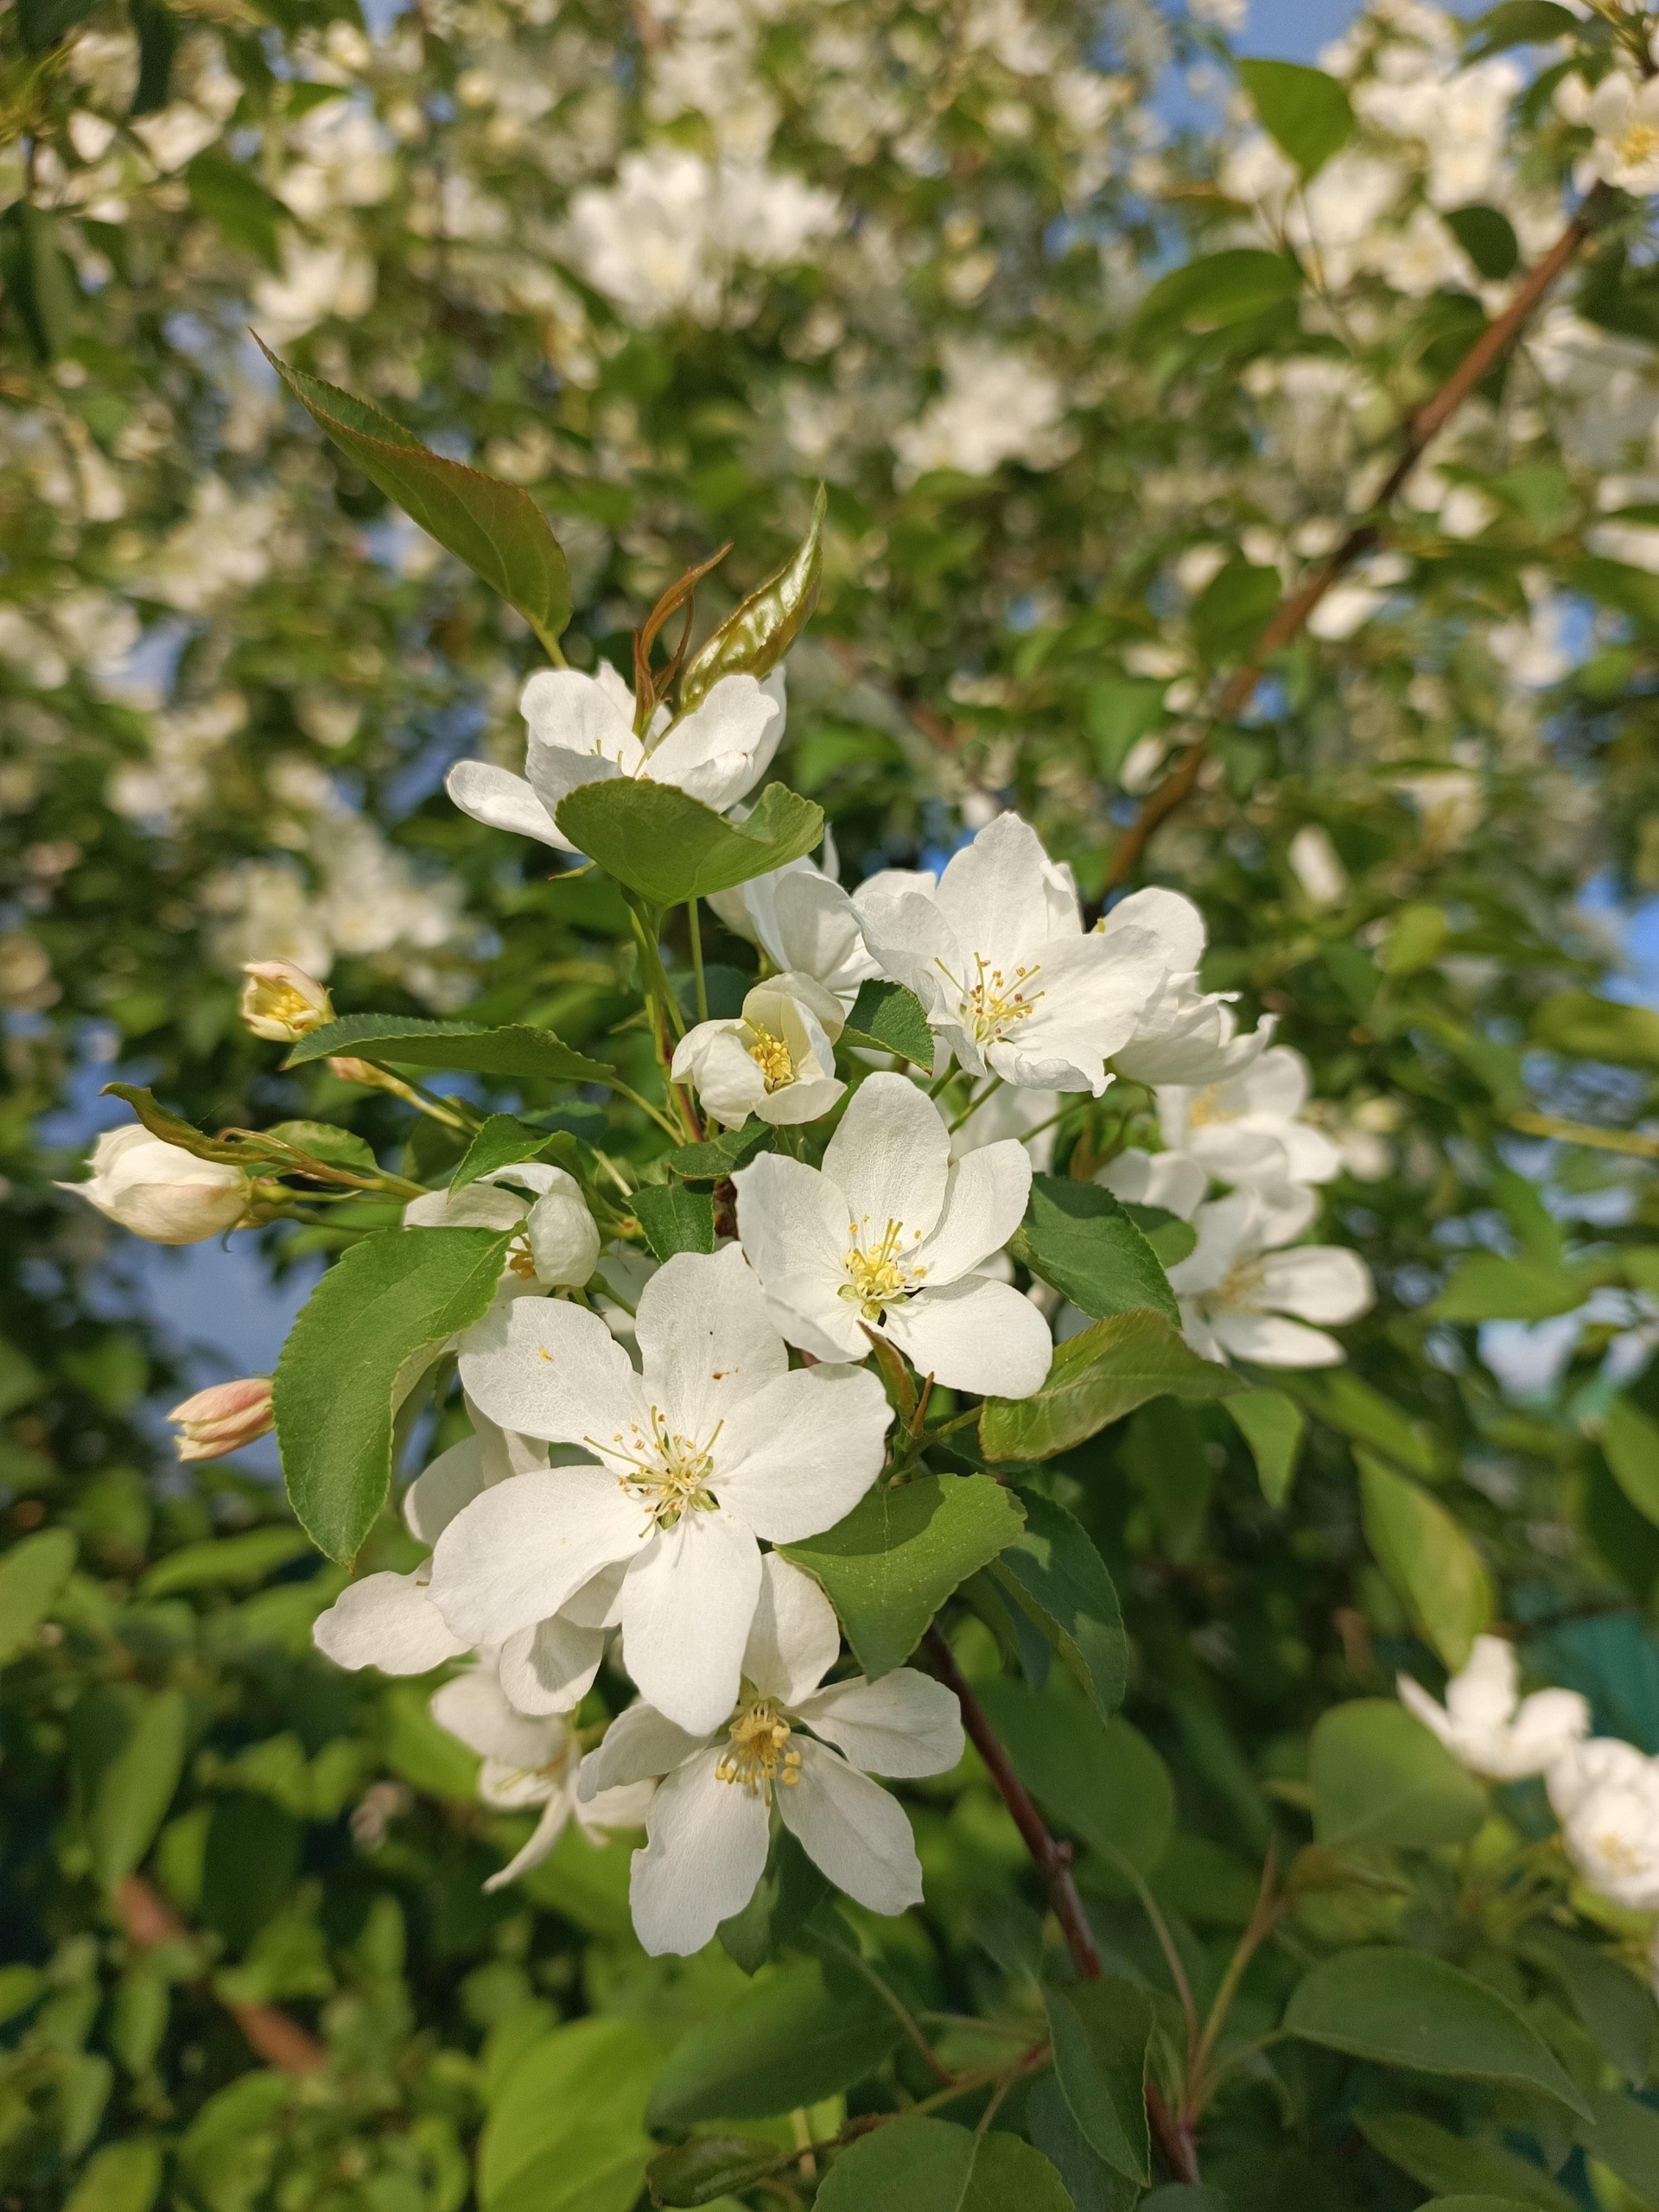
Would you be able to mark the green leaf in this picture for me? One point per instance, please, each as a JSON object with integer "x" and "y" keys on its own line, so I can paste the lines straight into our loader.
{"x": 1520, "y": 22}
{"x": 932, "y": 2165}
{"x": 1053, "y": 1573}
{"x": 1076, "y": 1236}
{"x": 1171, "y": 1239}
{"x": 159, "y": 32}
{"x": 44, "y": 22}
{"x": 787, "y": 1894}
{"x": 1442, "y": 2160}
{"x": 675, "y": 1218}
{"x": 1402, "y": 2008}
{"x": 220, "y": 1560}
{"x": 758, "y": 633}
{"x": 667, "y": 847}
{"x": 566, "y": 2131}
{"x": 503, "y": 1141}
{"x": 1100, "y": 2031}
{"x": 1587, "y": 1027}
{"x": 231, "y": 197}
{"x": 132, "y": 1751}
{"x": 720, "y": 1156}
{"x": 1427, "y": 1558}
{"x": 1379, "y": 1776}
{"x": 1214, "y": 291}
{"x": 709, "y": 2167}
{"x": 1271, "y": 1424}
{"x": 35, "y": 278}
{"x": 1102, "y": 1781}
{"x": 1340, "y": 1397}
{"x": 1487, "y": 236}
{"x": 1625, "y": 2137}
{"x": 890, "y": 1018}
{"x": 32, "y": 1574}
{"x": 535, "y": 1054}
{"x": 1614, "y": 2006}
{"x": 334, "y": 1147}
{"x": 1484, "y": 1288}
{"x": 899, "y": 1554}
{"x": 368, "y": 1329}
{"x": 1303, "y": 110}
{"x": 1629, "y": 1442}
{"x": 800, "y": 2036}
{"x": 1233, "y": 609}
{"x": 1117, "y": 713}
{"x": 1096, "y": 1377}
{"x": 121, "y": 2177}
{"x": 171, "y": 1130}
{"x": 496, "y": 529}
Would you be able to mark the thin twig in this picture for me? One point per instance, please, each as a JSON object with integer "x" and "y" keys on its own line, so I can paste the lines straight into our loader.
{"x": 1265, "y": 1911}
{"x": 280, "y": 2041}
{"x": 1293, "y": 612}
{"x": 1586, "y": 1133}
{"x": 1053, "y": 1863}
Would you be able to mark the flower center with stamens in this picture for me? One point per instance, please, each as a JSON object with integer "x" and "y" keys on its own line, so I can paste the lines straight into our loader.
{"x": 1618, "y": 1852}
{"x": 521, "y": 1261}
{"x": 1204, "y": 1107}
{"x": 1242, "y": 1286}
{"x": 769, "y": 1054}
{"x": 1637, "y": 145}
{"x": 760, "y": 1755}
{"x": 877, "y": 1274}
{"x": 995, "y": 1002}
{"x": 671, "y": 1473}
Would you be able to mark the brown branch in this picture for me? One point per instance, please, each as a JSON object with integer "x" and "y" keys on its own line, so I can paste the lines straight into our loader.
{"x": 1053, "y": 1863}
{"x": 280, "y": 2041}
{"x": 1293, "y": 612}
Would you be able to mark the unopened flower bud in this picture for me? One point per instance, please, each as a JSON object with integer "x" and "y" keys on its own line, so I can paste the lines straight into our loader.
{"x": 281, "y": 1001}
{"x": 161, "y": 1192}
{"x": 366, "y": 1076}
{"x": 220, "y": 1420}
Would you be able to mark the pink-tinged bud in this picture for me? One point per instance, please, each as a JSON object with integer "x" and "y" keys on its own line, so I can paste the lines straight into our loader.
{"x": 159, "y": 1191}
{"x": 281, "y": 1001}
{"x": 220, "y": 1420}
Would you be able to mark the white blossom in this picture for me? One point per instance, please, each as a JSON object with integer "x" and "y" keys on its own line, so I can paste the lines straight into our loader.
{"x": 709, "y": 1823}
{"x": 160, "y": 1191}
{"x": 1235, "y": 1287}
{"x": 777, "y": 1059}
{"x": 1623, "y": 113}
{"x": 530, "y": 1759}
{"x": 714, "y": 1443}
{"x": 560, "y": 1242}
{"x": 581, "y": 731}
{"x": 996, "y": 406}
{"x": 996, "y": 952}
{"x": 1184, "y": 1035}
{"x": 891, "y": 1234}
{"x": 280, "y": 1002}
{"x": 1488, "y": 1725}
{"x": 805, "y": 923}
{"x": 1250, "y": 1128}
{"x": 1605, "y": 1795}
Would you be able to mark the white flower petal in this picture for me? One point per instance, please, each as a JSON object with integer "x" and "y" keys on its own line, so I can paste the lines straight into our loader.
{"x": 851, "y": 1830}
{"x": 503, "y": 801}
{"x": 797, "y": 1457}
{"x": 707, "y": 1849}
{"x": 641, "y": 1746}
{"x": 1173, "y": 1180}
{"x": 890, "y": 1159}
{"x": 975, "y": 1335}
{"x": 713, "y": 1058}
{"x": 519, "y": 1550}
{"x": 548, "y": 1369}
{"x": 792, "y": 1223}
{"x": 1271, "y": 1342}
{"x": 438, "y": 1492}
{"x": 994, "y": 893}
{"x": 687, "y": 1604}
{"x": 1171, "y": 919}
{"x": 569, "y": 712}
{"x": 720, "y": 749}
{"x": 1317, "y": 1282}
{"x": 387, "y": 1621}
{"x": 602, "y": 1814}
{"x": 550, "y": 1667}
{"x": 556, "y": 1814}
{"x": 984, "y": 1203}
{"x": 706, "y": 1343}
{"x": 474, "y": 1709}
{"x": 807, "y": 1099}
{"x": 554, "y": 774}
{"x": 907, "y": 1723}
{"x": 795, "y": 1638}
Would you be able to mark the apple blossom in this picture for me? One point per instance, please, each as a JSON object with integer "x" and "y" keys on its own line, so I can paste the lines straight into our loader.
{"x": 1247, "y": 1128}
{"x": 1605, "y": 1794}
{"x": 282, "y": 1002}
{"x": 581, "y": 731}
{"x": 221, "y": 1420}
{"x": 713, "y": 1445}
{"x": 1183, "y": 1034}
{"x": 777, "y": 1059}
{"x": 892, "y": 1234}
{"x": 805, "y": 923}
{"x": 1487, "y": 1724}
{"x": 160, "y": 1191}
{"x": 528, "y": 1759}
{"x": 1235, "y": 1288}
{"x": 1623, "y": 113}
{"x": 560, "y": 1244}
{"x": 709, "y": 1823}
{"x": 997, "y": 954}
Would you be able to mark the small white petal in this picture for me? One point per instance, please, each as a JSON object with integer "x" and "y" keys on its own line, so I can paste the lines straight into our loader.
{"x": 550, "y": 1667}
{"x": 906, "y": 1724}
{"x": 503, "y": 801}
{"x": 1271, "y": 1342}
{"x": 794, "y": 1638}
{"x": 1317, "y": 1282}
{"x": 707, "y": 1849}
{"x": 437, "y": 1494}
{"x": 890, "y": 1159}
{"x": 473, "y": 1708}
{"x": 984, "y": 1203}
{"x": 687, "y": 1605}
{"x": 975, "y": 1335}
{"x": 706, "y": 1344}
{"x": 387, "y": 1621}
{"x": 853, "y": 1830}
{"x": 640, "y": 1746}
{"x": 548, "y": 1830}
{"x": 797, "y": 1457}
{"x": 548, "y": 1369}
{"x": 520, "y": 1550}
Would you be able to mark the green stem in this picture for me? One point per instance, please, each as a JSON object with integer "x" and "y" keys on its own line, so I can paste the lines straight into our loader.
{"x": 646, "y": 1107}
{"x": 550, "y": 646}
{"x": 974, "y": 1105}
{"x": 1262, "y": 1916}
{"x": 697, "y": 958}
{"x": 940, "y": 1081}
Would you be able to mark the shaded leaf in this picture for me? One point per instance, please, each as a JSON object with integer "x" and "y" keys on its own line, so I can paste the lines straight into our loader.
{"x": 720, "y": 1156}
{"x": 787, "y": 1894}
{"x": 1215, "y": 290}
{"x": 1614, "y": 2006}
{"x": 667, "y": 847}
{"x": 1271, "y": 1424}
{"x": 220, "y": 1561}
{"x": 675, "y": 1218}
{"x": 1079, "y": 1238}
{"x": 1428, "y": 1559}
{"x": 504, "y": 1142}
{"x": 1306, "y": 113}
{"x": 1053, "y": 1573}
{"x": 800, "y": 2036}
{"x": 1587, "y": 1027}
{"x": 889, "y": 1017}
{"x": 1440, "y": 2160}
{"x": 1100, "y": 2031}
{"x": 566, "y": 2128}
{"x": 535, "y": 1054}
{"x": 1379, "y": 1776}
{"x": 1096, "y": 1377}
{"x": 1101, "y": 1781}
{"x": 759, "y": 631}
{"x": 1629, "y": 1442}
{"x": 32, "y": 1575}
{"x": 712, "y": 2166}
{"x": 1484, "y": 1288}
{"x": 932, "y": 2165}
{"x": 1625, "y": 2137}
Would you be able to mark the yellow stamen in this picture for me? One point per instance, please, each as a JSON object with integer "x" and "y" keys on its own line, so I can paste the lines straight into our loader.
{"x": 770, "y": 1055}
{"x": 760, "y": 1755}
{"x": 878, "y": 1274}
{"x": 1638, "y": 145}
{"x": 993, "y": 1003}
{"x": 671, "y": 1473}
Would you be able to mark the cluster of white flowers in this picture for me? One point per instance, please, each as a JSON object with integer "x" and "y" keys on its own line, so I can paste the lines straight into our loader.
{"x": 1603, "y": 1791}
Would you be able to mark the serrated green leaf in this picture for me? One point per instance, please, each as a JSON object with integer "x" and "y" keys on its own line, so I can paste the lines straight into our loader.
{"x": 1100, "y": 2031}
{"x": 323, "y": 1140}
{"x": 32, "y": 1574}
{"x": 1053, "y": 1573}
{"x": 801, "y": 2036}
{"x": 1402, "y": 2008}
{"x": 536, "y": 1055}
{"x": 382, "y": 1312}
{"x": 1427, "y": 1558}
{"x": 899, "y": 1554}
{"x": 757, "y": 633}
{"x": 720, "y": 1156}
{"x": 667, "y": 847}
{"x": 1379, "y": 1776}
{"x": 890, "y": 1018}
{"x": 675, "y": 1218}
{"x": 496, "y": 529}
{"x": 1271, "y": 1424}
{"x": 1096, "y": 1377}
{"x": 1305, "y": 113}
{"x": 1079, "y": 1238}
{"x": 504, "y": 1142}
